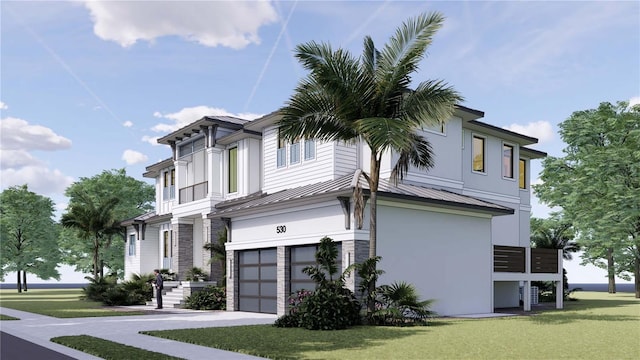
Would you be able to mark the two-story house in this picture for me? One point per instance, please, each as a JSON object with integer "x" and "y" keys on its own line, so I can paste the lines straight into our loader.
{"x": 459, "y": 232}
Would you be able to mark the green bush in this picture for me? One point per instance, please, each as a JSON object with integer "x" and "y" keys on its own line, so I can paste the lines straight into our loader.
{"x": 398, "y": 304}
{"x": 137, "y": 291}
{"x": 209, "y": 298}
{"x": 196, "y": 274}
{"x": 331, "y": 306}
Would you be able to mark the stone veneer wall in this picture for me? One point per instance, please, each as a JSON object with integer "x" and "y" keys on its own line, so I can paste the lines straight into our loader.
{"x": 216, "y": 268}
{"x": 359, "y": 250}
{"x": 232, "y": 280}
{"x": 182, "y": 260}
{"x": 283, "y": 277}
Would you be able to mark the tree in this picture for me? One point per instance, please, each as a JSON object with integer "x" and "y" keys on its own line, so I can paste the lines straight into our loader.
{"x": 370, "y": 99}
{"x": 94, "y": 221}
{"x": 555, "y": 233}
{"x": 29, "y": 236}
{"x": 134, "y": 197}
{"x": 597, "y": 182}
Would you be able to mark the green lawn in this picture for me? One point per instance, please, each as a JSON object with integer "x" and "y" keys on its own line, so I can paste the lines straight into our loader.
{"x": 61, "y": 303}
{"x": 599, "y": 326}
{"x": 108, "y": 350}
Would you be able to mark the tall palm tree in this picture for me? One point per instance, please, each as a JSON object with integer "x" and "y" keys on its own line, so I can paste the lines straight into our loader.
{"x": 93, "y": 220}
{"x": 370, "y": 99}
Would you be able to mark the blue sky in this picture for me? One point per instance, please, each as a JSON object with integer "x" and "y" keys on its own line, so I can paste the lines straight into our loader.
{"x": 88, "y": 86}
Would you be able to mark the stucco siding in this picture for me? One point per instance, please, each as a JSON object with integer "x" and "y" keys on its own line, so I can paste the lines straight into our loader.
{"x": 446, "y": 256}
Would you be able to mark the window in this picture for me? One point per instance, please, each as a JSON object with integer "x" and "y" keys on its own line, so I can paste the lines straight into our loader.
{"x": 233, "y": 170}
{"x": 132, "y": 245}
{"x": 438, "y": 128}
{"x": 191, "y": 146}
{"x": 478, "y": 154}
{"x": 282, "y": 151}
{"x": 522, "y": 174}
{"x": 168, "y": 186}
{"x": 166, "y": 245}
{"x": 507, "y": 161}
{"x": 294, "y": 152}
{"x": 309, "y": 149}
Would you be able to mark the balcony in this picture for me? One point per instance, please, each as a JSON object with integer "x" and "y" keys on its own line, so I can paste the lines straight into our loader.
{"x": 511, "y": 259}
{"x": 193, "y": 193}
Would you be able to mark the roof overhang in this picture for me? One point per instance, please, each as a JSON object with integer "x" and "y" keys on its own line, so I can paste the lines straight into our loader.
{"x": 153, "y": 170}
{"x": 532, "y": 153}
{"x": 196, "y": 127}
{"x": 508, "y": 135}
{"x": 239, "y": 135}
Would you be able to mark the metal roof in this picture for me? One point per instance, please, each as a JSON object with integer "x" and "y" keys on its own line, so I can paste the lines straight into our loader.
{"x": 150, "y": 217}
{"x": 345, "y": 185}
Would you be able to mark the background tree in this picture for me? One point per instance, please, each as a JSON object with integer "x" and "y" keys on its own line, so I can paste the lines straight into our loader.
{"x": 134, "y": 197}
{"x": 28, "y": 236}
{"x": 555, "y": 233}
{"x": 369, "y": 99}
{"x": 597, "y": 182}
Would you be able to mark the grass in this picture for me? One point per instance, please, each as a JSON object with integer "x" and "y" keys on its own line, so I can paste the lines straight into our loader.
{"x": 108, "y": 349}
{"x": 598, "y": 326}
{"x": 7, "y": 317}
{"x": 60, "y": 303}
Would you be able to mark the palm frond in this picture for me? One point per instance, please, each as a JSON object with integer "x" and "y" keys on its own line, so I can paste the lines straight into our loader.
{"x": 419, "y": 153}
{"x": 432, "y": 102}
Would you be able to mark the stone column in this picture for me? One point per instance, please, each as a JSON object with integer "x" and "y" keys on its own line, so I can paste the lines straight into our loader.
{"x": 232, "y": 280}
{"x": 182, "y": 260}
{"x": 283, "y": 277}
{"x": 216, "y": 269}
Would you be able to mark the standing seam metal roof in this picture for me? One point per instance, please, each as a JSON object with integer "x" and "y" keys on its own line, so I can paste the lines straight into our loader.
{"x": 346, "y": 184}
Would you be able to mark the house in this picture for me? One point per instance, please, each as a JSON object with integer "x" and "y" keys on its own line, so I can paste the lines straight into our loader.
{"x": 459, "y": 232}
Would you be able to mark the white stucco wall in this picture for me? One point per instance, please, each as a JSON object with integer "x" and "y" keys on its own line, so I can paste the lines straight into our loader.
{"x": 447, "y": 256}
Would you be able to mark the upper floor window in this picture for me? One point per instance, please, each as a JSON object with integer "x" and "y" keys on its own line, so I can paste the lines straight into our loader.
{"x": 507, "y": 161}
{"x": 294, "y": 152}
{"x": 191, "y": 146}
{"x": 522, "y": 174}
{"x": 132, "y": 244}
{"x": 282, "y": 151}
{"x": 233, "y": 170}
{"x": 478, "y": 158}
{"x": 169, "y": 185}
{"x": 438, "y": 128}
{"x": 309, "y": 149}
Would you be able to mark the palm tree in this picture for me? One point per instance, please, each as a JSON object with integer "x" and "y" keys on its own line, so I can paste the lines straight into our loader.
{"x": 93, "y": 220}
{"x": 369, "y": 99}
{"x": 554, "y": 233}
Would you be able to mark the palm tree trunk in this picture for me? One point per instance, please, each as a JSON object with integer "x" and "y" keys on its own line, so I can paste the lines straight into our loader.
{"x": 373, "y": 216}
{"x": 611, "y": 271}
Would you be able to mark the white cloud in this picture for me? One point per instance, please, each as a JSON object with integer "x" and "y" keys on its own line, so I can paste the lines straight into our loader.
{"x": 634, "y": 101}
{"x": 40, "y": 179}
{"x": 127, "y": 124}
{"x": 3, "y": 106}
{"x": 542, "y": 130}
{"x": 11, "y": 159}
{"x": 17, "y": 134}
{"x": 132, "y": 157}
{"x": 209, "y": 23}
{"x": 17, "y": 139}
{"x": 188, "y": 115}
{"x": 153, "y": 140}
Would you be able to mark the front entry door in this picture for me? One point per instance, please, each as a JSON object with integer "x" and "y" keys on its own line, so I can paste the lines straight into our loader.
{"x": 166, "y": 250}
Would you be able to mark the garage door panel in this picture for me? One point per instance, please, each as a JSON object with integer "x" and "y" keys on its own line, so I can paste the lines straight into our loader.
{"x": 257, "y": 280}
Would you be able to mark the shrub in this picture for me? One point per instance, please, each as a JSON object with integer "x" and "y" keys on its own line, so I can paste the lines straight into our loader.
{"x": 134, "y": 292}
{"x": 97, "y": 287}
{"x": 209, "y": 298}
{"x": 196, "y": 274}
{"x": 398, "y": 305}
{"x": 168, "y": 275}
{"x": 331, "y": 305}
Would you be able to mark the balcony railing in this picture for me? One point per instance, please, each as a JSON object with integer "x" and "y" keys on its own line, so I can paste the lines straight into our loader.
{"x": 193, "y": 193}
{"x": 512, "y": 259}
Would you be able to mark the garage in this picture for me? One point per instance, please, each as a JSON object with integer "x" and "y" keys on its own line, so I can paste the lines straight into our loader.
{"x": 257, "y": 280}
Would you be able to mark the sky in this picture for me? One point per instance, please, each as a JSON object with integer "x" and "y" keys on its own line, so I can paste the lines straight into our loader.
{"x": 87, "y": 86}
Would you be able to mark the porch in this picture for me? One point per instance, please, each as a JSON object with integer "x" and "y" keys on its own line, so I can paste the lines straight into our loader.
{"x": 524, "y": 265}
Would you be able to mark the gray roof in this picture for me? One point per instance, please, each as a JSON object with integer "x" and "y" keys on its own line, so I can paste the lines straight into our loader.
{"x": 148, "y": 218}
{"x": 345, "y": 185}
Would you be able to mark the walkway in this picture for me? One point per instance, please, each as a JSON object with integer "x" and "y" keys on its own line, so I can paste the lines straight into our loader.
{"x": 40, "y": 329}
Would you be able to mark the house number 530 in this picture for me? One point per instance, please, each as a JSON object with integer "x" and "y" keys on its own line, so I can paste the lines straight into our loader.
{"x": 281, "y": 229}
